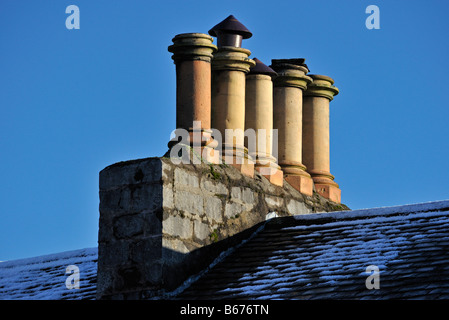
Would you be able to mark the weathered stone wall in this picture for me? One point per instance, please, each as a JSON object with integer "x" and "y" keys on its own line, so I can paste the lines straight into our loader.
{"x": 161, "y": 223}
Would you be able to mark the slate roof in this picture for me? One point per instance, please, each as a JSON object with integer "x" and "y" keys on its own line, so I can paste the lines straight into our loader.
{"x": 317, "y": 256}
{"x": 44, "y": 277}
{"x": 325, "y": 256}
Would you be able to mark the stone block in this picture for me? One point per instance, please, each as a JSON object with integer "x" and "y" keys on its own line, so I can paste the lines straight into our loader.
{"x": 177, "y": 226}
{"x": 128, "y": 226}
{"x": 131, "y": 199}
{"x": 232, "y": 173}
{"x": 213, "y": 187}
{"x": 295, "y": 207}
{"x": 236, "y": 193}
{"x": 152, "y": 223}
{"x": 274, "y": 202}
{"x": 201, "y": 230}
{"x": 244, "y": 195}
{"x": 213, "y": 209}
{"x": 146, "y": 250}
{"x": 189, "y": 202}
{"x": 105, "y": 230}
{"x": 185, "y": 178}
{"x": 248, "y": 196}
{"x": 131, "y": 172}
{"x": 167, "y": 196}
{"x": 109, "y": 204}
{"x": 167, "y": 170}
{"x": 112, "y": 254}
{"x": 233, "y": 209}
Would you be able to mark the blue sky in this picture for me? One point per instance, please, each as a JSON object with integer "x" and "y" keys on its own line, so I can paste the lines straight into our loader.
{"x": 75, "y": 101}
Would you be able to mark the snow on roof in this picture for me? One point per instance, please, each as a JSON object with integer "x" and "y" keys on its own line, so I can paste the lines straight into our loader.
{"x": 325, "y": 256}
{"x": 44, "y": 277}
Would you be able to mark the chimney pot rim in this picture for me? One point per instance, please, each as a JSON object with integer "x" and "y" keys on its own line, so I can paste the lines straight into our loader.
{"x": 296, "y": 63}
{"x": 293, "y": 61}
{"x": 192, "y": 35}
{"x": 322, "y": 77}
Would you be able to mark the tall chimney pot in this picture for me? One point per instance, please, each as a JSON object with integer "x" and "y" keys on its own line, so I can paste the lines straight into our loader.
{"x": 259, "y": 117}
{"x": 230, "y": 64}
{"x": 287, "y": 118}
{"x": 192, "y": 54}
{"x": 316, "y": 146}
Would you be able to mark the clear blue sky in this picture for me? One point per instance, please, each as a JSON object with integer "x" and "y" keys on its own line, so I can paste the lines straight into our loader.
{"x": 75, "y": 101}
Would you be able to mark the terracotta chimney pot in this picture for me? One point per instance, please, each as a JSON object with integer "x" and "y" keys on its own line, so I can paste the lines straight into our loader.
{"x": 287, "y": 117}
{"x": 316, "y": 141}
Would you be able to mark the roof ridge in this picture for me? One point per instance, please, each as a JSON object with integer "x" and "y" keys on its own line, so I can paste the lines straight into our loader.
{"x": 435, "y": 207}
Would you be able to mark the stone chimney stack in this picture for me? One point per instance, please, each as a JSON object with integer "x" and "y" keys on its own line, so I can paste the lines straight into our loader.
{"x": 316, "y": 148}
{"x": 163, "y": 221}
{"x": 259, "y": 117}
{"x": 192, "y": 54}
{"x": 230, "y": 64}
{"x": 287, "y": 117}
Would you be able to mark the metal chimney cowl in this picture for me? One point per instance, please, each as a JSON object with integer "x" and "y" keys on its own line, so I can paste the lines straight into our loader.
{"x": 230, "y": 32}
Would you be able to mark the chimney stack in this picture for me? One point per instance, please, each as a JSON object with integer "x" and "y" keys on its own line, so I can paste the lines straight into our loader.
{"x": 221, "y": 92}
{"x": 192, "y": 54}
{"x": 287, "y": 117}
{"x": 316, "y": 148}
{"x": 230, "y": 64}
{"x": 259, "y": 116}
